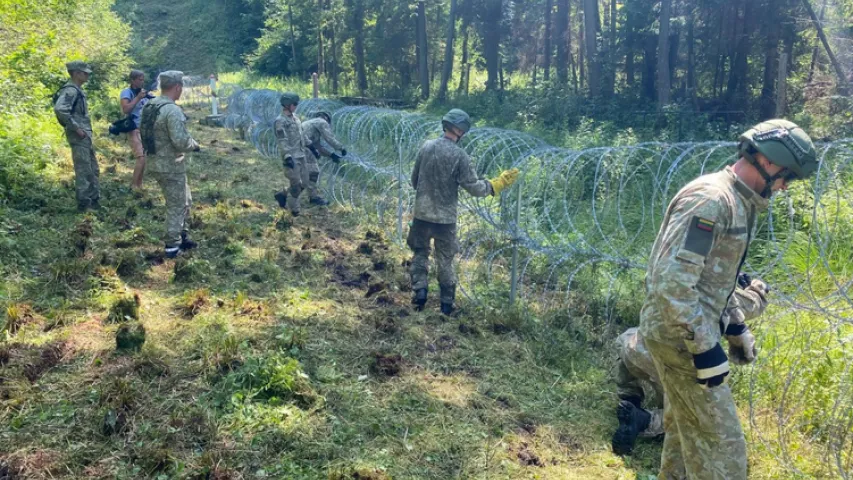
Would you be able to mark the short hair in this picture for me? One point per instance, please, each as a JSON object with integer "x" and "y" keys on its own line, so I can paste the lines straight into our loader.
{"x": 134, "y": 74}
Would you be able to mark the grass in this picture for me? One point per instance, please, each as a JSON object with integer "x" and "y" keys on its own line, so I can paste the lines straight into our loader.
{"x": 264, "y": 355}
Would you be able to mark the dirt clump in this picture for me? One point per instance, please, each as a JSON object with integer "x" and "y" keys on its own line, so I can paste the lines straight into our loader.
{"x": 375, "y": 288}
{"x": 49, "y": 357}
{"x": 125, "y": 309}
{"x": 527, "y": 457}
{"x": 386, "y": 365}
{"x": 19, "y": 315}
{"x": 130, "y": 337}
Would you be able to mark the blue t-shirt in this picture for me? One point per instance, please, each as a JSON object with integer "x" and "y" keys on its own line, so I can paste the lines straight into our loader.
{"x": 136, "y": 113}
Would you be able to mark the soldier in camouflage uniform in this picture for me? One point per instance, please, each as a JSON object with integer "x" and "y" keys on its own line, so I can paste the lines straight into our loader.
{"x": 166, "y": 141}
{"x": 301, "y": 172}
{"x": 636, "y": 367}
{"x": 72, "y": 111}
{"x": 317, "y": 129}
{"x": 441, "y": 168}
{"x": 692, "y": 272}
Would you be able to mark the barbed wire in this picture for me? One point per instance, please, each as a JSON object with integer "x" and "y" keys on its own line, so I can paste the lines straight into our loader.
{"x": 581, "y": 224}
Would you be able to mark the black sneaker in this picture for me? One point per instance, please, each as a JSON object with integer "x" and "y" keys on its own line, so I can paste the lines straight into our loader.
{"x": 281, "y": 198}
{"x": 446, "y": 308}
{"x": 632, "y": 421}
{"x": 319, "y": 201}
{"x": 173, "y": 252}
{"x": 420, "y": 298}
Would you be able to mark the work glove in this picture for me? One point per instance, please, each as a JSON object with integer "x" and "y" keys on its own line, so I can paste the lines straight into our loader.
{"x": 504, "y": 181}
{"x": 742, "y": 349}
{"x": 335, "y": 157}
{"x": 197, "y": 148}
{"x": 743, "y": 280}
{"x": 343, "y": 152}
{"x": 712, "y": 367}
{"x": 289, "y": 163}
{"x": 762, "y": 288}
{"x": 314, "y": 151}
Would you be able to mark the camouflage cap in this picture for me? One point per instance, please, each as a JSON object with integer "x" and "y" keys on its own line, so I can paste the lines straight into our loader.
{"x": 170, "y": 78}
{"x": 323, "y": 114}
{"x": 78, "y": 66}
{"x": 784, "y": 144}
{"x": 288, "y": 99}
{"x": 457, "y": 118}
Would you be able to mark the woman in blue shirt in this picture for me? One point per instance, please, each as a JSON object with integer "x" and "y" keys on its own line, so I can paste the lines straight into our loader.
{"x": 133, "y": 99}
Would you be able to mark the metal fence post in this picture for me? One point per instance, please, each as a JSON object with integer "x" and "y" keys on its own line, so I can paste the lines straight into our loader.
{"x": 400, "y": 194}
{"x": 513, "y": 289}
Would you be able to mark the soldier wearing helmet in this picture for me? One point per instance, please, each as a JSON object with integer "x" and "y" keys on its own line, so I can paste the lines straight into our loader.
{"x": 441, "y": 168}
{"x": 692, "y": 272}
{"x": 316, "y": 131}
{"x": 292, "y": 147}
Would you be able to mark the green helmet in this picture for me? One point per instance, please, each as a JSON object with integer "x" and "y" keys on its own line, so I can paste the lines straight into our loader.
{"x": 323, "y": 114}
{"x": 784, "y": 144}
{"x": 458, "y": 119}
{"x": 288, "y": 99}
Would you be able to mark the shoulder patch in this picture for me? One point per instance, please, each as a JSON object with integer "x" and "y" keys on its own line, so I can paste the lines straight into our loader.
{"x": 700, "y": 236}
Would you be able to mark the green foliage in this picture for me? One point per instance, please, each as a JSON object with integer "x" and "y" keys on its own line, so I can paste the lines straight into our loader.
{"x": 275, "y": 379}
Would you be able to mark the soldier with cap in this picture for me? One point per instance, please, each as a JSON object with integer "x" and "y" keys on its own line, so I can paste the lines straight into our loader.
{"x": 317, "y": 129}
{"x": 692, "y": 272}
{"x": 301, "y": 173}
{"x": 441, "y": 168}
{"x": 166, "y": 141}
{"x": 636, "y": 369}
{"x": 72, "y": 112}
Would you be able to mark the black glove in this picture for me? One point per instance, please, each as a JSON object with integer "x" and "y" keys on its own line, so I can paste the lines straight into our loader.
{"x": 314, "y": 151}
{"x": 197, "y": 148}
{"x": 343, "y": 152}
{"x": 712, "y": 367}
{"x": 288, "y": 163}
{"x": 335, "y": 157}
{"x": 743, "y": 279}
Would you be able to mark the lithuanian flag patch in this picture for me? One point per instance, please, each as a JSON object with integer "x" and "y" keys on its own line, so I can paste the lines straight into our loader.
{"x": 703, "y": 224}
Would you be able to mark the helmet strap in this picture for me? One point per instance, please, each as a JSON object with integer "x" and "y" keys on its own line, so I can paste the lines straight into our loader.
{"x": 769, "y": 180}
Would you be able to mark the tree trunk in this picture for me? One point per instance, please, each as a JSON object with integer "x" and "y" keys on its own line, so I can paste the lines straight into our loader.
{"x": 423, "y": 68}
{"x": 839, "y": 71}
{"x": 816, "y": 51}
{"x": 590, "y": 29}
{"x": 334, "y": 65}
{"x": 572, "y": 63}
{"x": 691, "y": 59}
{"x": 546, "y": 53}
{"x": 447, "y": 71}
{"x": 464, "y": 67}
{"x": 491, "y": 42}
{"x": 649, "y": 65}
{"x": 736, "y": 90}
{"x": 610, "y": 69}
{"x": 767, "y": 101}
{"x": 321, "y": 59}
{"x": 663, "y": 54}
{"x": 292, "y": 38}
{"x": 629, "y": 48}
{"x": 357, "y": 9}
{"x": 562, "y": 34}
{"x": 581, "y": 50}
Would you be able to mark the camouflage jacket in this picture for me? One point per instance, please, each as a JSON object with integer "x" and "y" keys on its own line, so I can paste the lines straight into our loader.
{"x": 289, "y": 136}
{"x": 745, "y": 304}
{"x": 79, "y": 117}
{"x": 440, "y": 169}
{"x": 695, "y": 260}
{"x": 317, "y": 129}
{"x": 171, "y": 138}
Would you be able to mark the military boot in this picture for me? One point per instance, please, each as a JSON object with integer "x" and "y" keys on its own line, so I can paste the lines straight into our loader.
{"x": 173, "y": 251}
{"x": 632, "y": 421}
{"x": 281, "y": 198}
{"x": 420, "y": 298}
{"x": 319, "y": 201}
{"x": 448, "y": 296}
{"x": 186, "y": 243}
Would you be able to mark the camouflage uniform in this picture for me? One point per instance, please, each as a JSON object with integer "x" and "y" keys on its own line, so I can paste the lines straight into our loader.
{"x": 318, "y": 129}
{"x": 440, "y": 169}
{"x": 636, "y": 367}
{"x": 692, "y": 272}
{"x": 169, "y": 164}
{"x": 72, "y": 117}
{"x": 301, "y": 173}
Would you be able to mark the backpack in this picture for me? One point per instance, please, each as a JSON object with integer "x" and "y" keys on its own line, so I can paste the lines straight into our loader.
{"x": 146, "y": 126}
{"x": 73, "y": 104}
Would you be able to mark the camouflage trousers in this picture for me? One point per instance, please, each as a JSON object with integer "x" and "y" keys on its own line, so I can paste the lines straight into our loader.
{"x": 86, "y": 171}
{"x": 704, "y": 439}
{"x": 629, "y": 383}
{"x": 176, "y": 190}
{"x": 303, "y": 174}
{"x": 446, "y": 247}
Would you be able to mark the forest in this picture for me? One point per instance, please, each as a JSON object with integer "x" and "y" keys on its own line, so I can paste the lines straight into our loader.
{"x": 288, "y": 346}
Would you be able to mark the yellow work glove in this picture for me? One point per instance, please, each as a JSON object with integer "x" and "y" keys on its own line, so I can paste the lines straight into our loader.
{"x": 504, "y": 181}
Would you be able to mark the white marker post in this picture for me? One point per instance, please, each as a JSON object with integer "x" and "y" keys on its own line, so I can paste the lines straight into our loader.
{"x": 214, "y": 101}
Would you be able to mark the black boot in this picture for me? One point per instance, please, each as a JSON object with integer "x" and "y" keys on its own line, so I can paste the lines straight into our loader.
{"x": 186, "y": 243}
{"x": 319, "y": 201}
{"x": 420, "y": 298}
{"x": 448, "y": 296}
{"x": 632, "y": 421}
{"x": 281, "y": 198}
